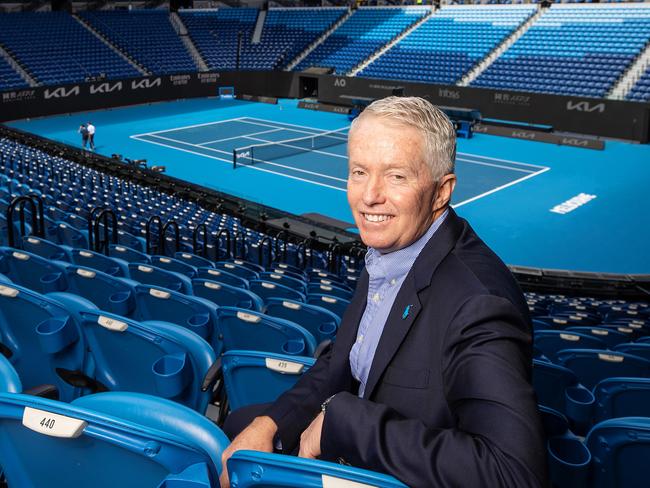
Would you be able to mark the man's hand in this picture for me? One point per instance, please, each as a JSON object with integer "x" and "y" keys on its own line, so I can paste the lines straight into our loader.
{"x": 310, "y": 438}
{"x": 258, "y": 436}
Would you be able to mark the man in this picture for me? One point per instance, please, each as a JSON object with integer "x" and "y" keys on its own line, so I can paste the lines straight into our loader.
{"x": 428, "y": 379}
{"x": 83, "y": 130}
{"x": 91, "y": 135}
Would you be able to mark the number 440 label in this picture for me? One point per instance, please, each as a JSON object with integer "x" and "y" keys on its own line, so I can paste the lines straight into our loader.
{"x": 53, "y": 424}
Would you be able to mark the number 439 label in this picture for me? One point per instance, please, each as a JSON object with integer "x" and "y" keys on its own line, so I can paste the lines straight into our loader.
{"x": 53, "y": 424}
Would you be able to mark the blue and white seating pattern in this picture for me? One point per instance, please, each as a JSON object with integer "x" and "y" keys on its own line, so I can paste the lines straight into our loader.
{"x": 362, "y": 34}
{"x": 573, "y": 50}
{"x": 147, "y": 36}
{"x": 640, "y": 92}
{"x": 449, "y": 43}
{"x": 9, "y": 77}
{"x": 55, "y": 49}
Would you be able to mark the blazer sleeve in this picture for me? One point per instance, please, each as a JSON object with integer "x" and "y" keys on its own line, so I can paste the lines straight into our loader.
{"x": 294, "y": 410}
{"x": 497, "y": 439}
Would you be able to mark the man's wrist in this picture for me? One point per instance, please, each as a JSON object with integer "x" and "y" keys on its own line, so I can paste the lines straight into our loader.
{"x": 265, "y": 423}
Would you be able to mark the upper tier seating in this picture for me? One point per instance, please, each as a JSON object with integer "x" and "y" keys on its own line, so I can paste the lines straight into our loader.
{"x": 215, "y": 33}
{"x": 573, "y": 50}
{"x": 147, "y": 36}
{"x": 9, "y": 77}
{"x": 449, "y": 43}
{"x": 361, "y": 35}
{"x": 286, "y": 33}
{"x": 54, "y": 48}
{"x": 641, "y": 89}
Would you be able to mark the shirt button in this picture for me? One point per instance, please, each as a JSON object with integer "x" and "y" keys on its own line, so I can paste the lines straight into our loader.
{"x": 376, "y": 297}
{"x": 360, "y": 339}
{"x": 392, "y": 282}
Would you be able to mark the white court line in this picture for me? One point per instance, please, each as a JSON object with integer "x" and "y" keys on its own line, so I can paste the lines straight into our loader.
{"x": 310, "y": 131}
{"x": 292, "y": 125}
{"x": 186, "y": 143}
{"x": 495, "y": 165}
{"x": 296, "y": 147}
{"x": 237, "y": 137}
{"x": 187, "y": 127}
{"x": 248, "y": 166}
{"x": 502, "y": 160}
{"x": 499, "y": 188}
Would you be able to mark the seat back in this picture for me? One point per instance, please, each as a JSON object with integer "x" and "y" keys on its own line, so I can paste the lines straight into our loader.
{"x": 193, "y": 313}
{"x": 621, "y": 397}
{"x": 9, "y": 380}
{"x": 42, "y": 336}
{"x": 594, "y": 365}
{"x": 100, "y": 262}
{"x": 223, "y": 276}
{"x": 260, "y": 377}
{"x": 153, "y": 357}
{"x": 620, "y": 449}
{"x": 322, "y": 323}
{"x": 107, "y": 292}
{"x": 173, "y": 264}
{"x": 334, "y": 304}
{"x": 550, "y": 382}
{"x": 226, "y": 295}
{"x": 32, "y": 271}
{"x": 267, "y": 289}
{"x": 107, "y": 440}
{"x": 638, "y": 349}
{"x": 256, "y": 469}
{"x": 245, "y": 329}
{"x": 549, "y": 342}
{"x": 152, "y": 275}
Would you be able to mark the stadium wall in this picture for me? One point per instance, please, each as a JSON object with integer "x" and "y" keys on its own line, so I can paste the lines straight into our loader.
{"x": 598, "y": 117}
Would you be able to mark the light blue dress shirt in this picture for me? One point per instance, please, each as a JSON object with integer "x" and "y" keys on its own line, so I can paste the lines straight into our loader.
{"x": 387, "y": 273}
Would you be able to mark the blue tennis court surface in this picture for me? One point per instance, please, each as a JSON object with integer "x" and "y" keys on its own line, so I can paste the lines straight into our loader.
{"x": 282, "y": 151}
{"x": 536, "y": 204}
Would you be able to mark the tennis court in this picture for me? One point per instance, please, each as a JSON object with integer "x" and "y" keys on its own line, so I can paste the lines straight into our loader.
{"x": 525, "y": 211}
{"x": 318, "y": 156}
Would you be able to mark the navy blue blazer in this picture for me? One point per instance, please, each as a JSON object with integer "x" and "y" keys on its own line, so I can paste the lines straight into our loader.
{"x": 448, "y": 401}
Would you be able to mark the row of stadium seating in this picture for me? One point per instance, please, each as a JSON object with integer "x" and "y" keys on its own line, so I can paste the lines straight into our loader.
{"x": 72, "y": 313}
{"x": 360, "y": 36}
{"x": 563, "y": 43}
{"x": 54, "y": 48}
{"x": 461, "y": 36}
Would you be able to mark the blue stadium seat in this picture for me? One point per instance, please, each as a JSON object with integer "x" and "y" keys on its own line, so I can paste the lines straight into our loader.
{"x": 260, "y": 377}
{"x": 223, "y": 276}
{"x": 110, "y": 265}
{"x": 550, "y": 382}
{"x": 638, "y": 349}
{"x": 32, "y": 271}
{"x": 267, "y": 289}
{"x": 191, "y": 312}
{"x": 334, "y": 304}
{"x": 549, "y": 342}
{"x": 223, "y": 294}
{"x": 155, "y": 276}
{"x": 153, "y": 357}
{"x": 41, "y": 338}
{"x": 9, "y": 379}
{"x": 593, "y": 365}
{"x": 322, "y": 323}
{"x": 46, "y": 249}
{"x": 106, "y": 440}
{"x": 248, "y": 330}
{"x": 249, "y": 469}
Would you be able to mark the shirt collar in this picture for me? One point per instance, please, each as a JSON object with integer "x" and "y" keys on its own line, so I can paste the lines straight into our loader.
{"x": 396, "y": 264}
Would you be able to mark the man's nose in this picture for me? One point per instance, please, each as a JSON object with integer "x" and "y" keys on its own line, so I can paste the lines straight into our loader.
{"x": 374, "y": 192}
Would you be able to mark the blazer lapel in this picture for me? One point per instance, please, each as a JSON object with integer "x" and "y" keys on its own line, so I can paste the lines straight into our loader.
{"x": 407, "y": 305}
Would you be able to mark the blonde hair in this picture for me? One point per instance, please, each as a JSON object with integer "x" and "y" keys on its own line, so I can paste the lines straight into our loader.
{"x": 439, "y": 133}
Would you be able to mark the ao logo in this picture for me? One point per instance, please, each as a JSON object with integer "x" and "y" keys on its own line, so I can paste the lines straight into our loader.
{"x": 340, "y": 82}
{"x": 244, "y": 154}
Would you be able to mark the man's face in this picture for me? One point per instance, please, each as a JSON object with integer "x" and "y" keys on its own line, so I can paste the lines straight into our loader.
{"x": 390, "y": 187}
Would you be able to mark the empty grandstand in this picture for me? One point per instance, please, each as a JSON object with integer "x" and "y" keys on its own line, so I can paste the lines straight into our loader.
{"x": 203, "y": 257}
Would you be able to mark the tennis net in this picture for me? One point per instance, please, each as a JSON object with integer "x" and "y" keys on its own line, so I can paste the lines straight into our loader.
{"x": 269, "y": 151}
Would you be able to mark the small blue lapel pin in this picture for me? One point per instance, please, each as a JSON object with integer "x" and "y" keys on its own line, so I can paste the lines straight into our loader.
{"x": 406, "y": 312}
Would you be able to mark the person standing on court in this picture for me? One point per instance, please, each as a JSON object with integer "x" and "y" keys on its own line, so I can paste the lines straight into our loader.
{"x": 91, "y": 135}
{"x": 83, "y": 130}
{"x": 429, "y": 377}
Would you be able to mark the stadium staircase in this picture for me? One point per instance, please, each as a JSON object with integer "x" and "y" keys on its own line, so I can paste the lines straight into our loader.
{"x": 500, "y": 49}
{"x": 317, "y": 42}
{"x": 15, "y": 65}
{"x": 399, "y": 37}
{"x": 628, "y": 81}
{"x": 182, "y": 32}
{"x": 259, "y": 27}
{"x": 143, "y": 71}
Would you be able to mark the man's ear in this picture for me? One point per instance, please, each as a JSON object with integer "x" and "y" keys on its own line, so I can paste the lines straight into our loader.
{"x": 445, "y": 189}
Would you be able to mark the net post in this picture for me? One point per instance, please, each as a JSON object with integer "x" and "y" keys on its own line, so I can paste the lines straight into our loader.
{"x": 234, "y": 159}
